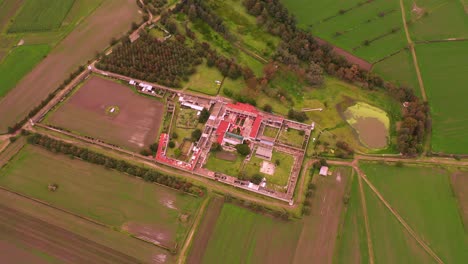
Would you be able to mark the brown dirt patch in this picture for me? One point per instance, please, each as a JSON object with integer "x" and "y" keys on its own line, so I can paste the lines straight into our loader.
{"x": 205, "y": 230}
{"x": 151, "y": 233}
{"x": 224, "y": 155}
{"x": 372, "y": 132}
{"x": 320, "y": 228}
{"x": 111, "y": 19}
{"x": 55, "y": 241}
{"x": 459, "y": 182}
{"x": 363, "y": 64}
{"x": 135, "y": 126}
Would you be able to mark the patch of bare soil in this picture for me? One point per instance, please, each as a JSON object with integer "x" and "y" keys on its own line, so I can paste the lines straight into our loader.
{"x": 417, "y": 11}
{"x": 205, "y": 230}
{"x": 459, "y": 182}
{"x": 135, "y": 126}
{"x": 363, "y": 64}
{"x": 225, "y": 155}
{"x": 55, "y": 241}
{"x": 111, "y": 19}
{"x": 151, "y": 233}
{"x": 318, "y": 237}
{"x": 372, "y": 132}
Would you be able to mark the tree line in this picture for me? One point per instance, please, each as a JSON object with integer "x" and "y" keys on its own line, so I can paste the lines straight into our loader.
{"x": 148, "y": 175}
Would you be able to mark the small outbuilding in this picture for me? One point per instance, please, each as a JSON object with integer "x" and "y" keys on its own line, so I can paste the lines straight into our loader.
{"x": 323, "y": 171}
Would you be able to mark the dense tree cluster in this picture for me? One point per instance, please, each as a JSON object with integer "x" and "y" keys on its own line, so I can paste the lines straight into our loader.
{"x": 297, "y": 115}
{"x": 204, "y": 115}
{"x": 112, "y": 163}
{"x": 197, "y": 9}
{"x": 243, "y": 149}
{"x": 167, "y": 62}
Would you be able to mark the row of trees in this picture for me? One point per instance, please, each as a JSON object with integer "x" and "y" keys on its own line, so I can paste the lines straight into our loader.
{"x": 148, "y": 175}
{"x": 280, "y": 214}
{"x": 168, "y": 62}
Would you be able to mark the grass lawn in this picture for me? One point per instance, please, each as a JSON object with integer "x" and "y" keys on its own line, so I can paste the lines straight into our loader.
{"x": 18, "y": 63}
{"x": 443, "y": 68}
{"x": 351, "y": 245}
{"x": 270, "y": 131}
{"x": 400, "y": 70}
{"x": 104, "y": 195}
{"x": 371, "y": 21}
{"x": 256, "y": 238}
{"x": 280, "y": 177}
{"x": 204, "y": 80}
{"x": 41, "y": 15}
{"x": 290, "y": 136}
{"x": 231, "y": 168}
{"x": 424, "y": 198}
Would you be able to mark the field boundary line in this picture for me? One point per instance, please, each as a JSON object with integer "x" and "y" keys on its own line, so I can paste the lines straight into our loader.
{"x": 400, "y": 219}
{"x": 189, "y": 238}
{"x": 413, "y": 52}
{"x": 370, "y": 246}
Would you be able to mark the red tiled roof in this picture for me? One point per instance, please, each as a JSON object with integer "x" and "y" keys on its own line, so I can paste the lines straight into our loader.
{"x": 256, "y": 126}
{"x": 222, "y": 128}
{"x": 243, "y": 107}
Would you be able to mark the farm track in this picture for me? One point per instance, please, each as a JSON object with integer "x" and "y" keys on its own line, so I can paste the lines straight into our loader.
{"x": 370, "y": 246}
{"x": 413, "y": 52}
{"x": 57, "y": 241}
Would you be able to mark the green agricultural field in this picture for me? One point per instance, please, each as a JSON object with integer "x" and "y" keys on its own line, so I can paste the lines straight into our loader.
{"x": 437, "y": 19}
{"x": 443, "y": 68}
{"x": 348, "y": 24}
{"x": 216, "y": 163}
{"x": 18, "y": 63}
{"x": 351, "y": 245}
{"x": 400, "y": 70}
{"x": 391, "y": 242}
{"x": 424, "y": 198}
{"x": 204, "y": 80}
{"x": 106, "y": 196}
{"x": 256, "y": 238}
{"x": 41, "y": 15}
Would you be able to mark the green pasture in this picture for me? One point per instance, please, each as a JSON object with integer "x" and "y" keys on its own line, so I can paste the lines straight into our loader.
{"x": 231, "y": 168}
{"x": 41, "y": 15}
{"x": 242, "y": 236}
{"x": 437, "y": 19}
{"x": 444, "y": 70}
{"x": 347, "y": 24}
{"x": 351, "y": 244}
{"x": 18, "y": 63}
{"x": 399, "y": 69}
{"x": 282, "y": 171}
{"x": 93, "y": 191}
{"x": 424, "y": 198}
{"x": 204, "y": 80}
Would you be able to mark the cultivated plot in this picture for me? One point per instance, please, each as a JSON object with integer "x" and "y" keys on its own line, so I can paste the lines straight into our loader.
{"x": 111, "y": 112}
{"x": 443, "y": 68}
{"x": 368, "y": 29}
{"x": 424, "y": 198}
{"x": 257, "y": 238}
{"x": 157, "y": 214}
{"x": 41, "y": 15}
